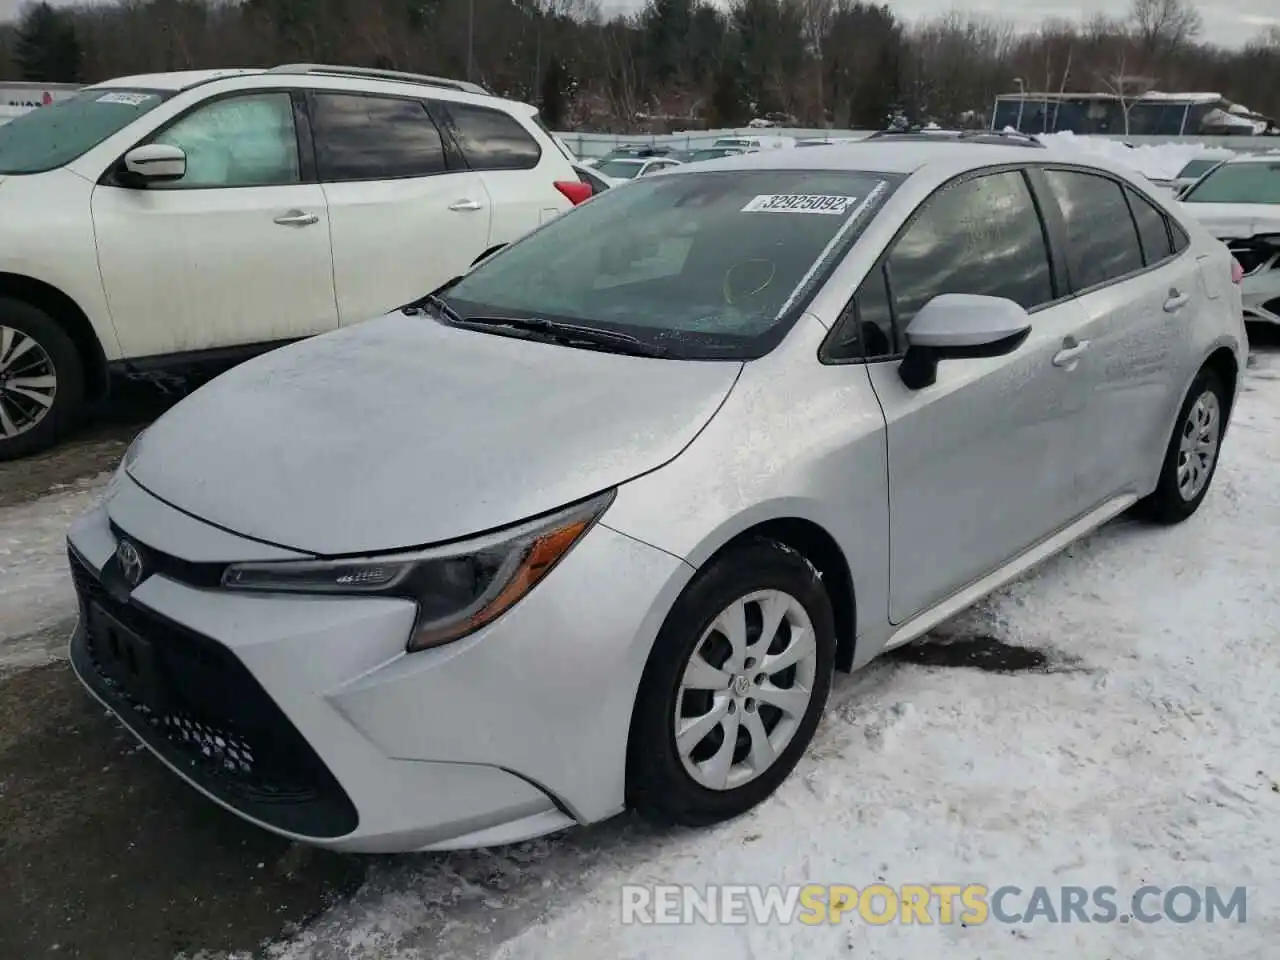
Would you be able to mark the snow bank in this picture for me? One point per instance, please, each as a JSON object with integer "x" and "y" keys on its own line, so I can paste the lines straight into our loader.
{"x": 35, "y": 585}
{"x": 1157, "y": 161}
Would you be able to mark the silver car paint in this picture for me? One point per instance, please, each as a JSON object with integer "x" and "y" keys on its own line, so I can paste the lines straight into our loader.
{"x": 468, "y": 743}
{"x": 540, "y": 425}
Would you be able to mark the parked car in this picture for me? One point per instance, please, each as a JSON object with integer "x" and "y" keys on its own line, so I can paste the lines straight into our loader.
{"x": 1239, "y": 202}
{"x": 621, "y": 169}
{"x": 1193, "y": 171}
{"x": 155, "y": 222}
{"x": 707, "y": 153}
{"x": 631, "y": 151}
{"x": 753, "y": 144}
{"x": 1009, "y": 137}
{"x": 591, "y": 527}
{"x": 592, "y": 178}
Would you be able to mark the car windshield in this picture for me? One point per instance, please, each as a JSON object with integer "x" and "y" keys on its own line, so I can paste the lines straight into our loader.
{"x": 712, "y": 265}
{"x": 1197, "y": 168}
{"x": 1252, "y": 182}
{"x": 621, "y": 169}
{"x": 49, "y": 137}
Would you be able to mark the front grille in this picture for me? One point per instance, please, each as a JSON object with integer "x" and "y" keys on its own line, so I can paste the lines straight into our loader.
{"x": 198, "y": 706}
{"x": 174, "y": 568}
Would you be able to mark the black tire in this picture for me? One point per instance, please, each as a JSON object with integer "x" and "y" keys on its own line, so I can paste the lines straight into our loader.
{"x": 1167, "y": 505}
{"x": 68, "y": 368}
{"x": 658, "y": 785}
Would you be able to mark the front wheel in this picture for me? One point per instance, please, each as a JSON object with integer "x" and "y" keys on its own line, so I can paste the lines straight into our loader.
{"x": 41, "y": 379}
{"x": 1191, "y": 458}
{"x": 734, "y": 688}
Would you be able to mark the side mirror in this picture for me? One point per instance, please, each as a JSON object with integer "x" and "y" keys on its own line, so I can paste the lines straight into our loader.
{"x": 155, "y": 163}
{"x": 956, "y": 326}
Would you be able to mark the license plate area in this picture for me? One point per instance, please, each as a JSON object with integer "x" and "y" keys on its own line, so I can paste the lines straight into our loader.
{"x": 125, "y": 658}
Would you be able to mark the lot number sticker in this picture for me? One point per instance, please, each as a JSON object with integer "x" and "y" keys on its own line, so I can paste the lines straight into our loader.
{"x": 126, "y": 99}
{"x": 800, "y": 203}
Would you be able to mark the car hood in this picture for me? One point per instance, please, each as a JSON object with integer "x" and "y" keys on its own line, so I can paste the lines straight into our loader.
{"x": 403, "y": 432}
{"x": 1230, "y": 221}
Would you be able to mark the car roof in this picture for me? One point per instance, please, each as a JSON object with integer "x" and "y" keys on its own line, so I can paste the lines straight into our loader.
{"x": 884, "y": 155}
{"x": 1271, "y": 156}
{"x": 174, "y": 81}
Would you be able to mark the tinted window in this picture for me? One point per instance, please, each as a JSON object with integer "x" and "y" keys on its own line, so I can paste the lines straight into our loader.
{"x": 712, "y": 264}
{"x": 1249, "y": 182}
{"x": 979, "y": 236}
{"x": 48, "y": 137}
{"x": 867, "y": 329}
{"x": 244, "y": 141}
{"x": 1152, "y": 228}
{"x": 491, "y": 139}
{"x": 1101, "y": 235}
{"x": 374, "y": 138}
{"x": 1180, "y": 239}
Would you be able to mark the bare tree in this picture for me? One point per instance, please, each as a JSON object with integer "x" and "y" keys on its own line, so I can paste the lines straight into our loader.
{"x": 1163, "y": 26}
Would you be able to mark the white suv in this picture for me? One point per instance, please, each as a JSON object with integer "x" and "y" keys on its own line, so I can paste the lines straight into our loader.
{"x": 157, "y": 221}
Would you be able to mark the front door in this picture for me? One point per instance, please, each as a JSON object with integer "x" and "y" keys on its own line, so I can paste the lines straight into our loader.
{"x": 979, "y": 462}
{"x": 236, "y": 252}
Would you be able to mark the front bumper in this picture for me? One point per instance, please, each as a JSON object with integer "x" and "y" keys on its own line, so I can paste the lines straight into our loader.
{"x": 305, "y": 716}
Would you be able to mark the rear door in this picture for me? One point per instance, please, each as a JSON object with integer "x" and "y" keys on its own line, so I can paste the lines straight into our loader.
{"x": 1140, "y": 299}
{"x": 519, "y": 175}
{"x": 403, "y": 217}
{"x": 980, "y": 462}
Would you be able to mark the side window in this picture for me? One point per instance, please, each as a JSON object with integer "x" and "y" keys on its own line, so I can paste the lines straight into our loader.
{"x": 246, "y": 141}
{"x": 1180, "y": 239}
{"x": 981, "y": 236}
{"x": 374, "y": 138}
{"x": 491, "y": 139}
{"x": 1101, "y": 234}
{"x": 1153, "y": 228}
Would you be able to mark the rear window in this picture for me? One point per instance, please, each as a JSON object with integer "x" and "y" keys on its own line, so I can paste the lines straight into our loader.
{"x": 491, "y": 139}
{"x": 1255, "y": 182}
{"x": 711, "y": 265}
{"x": 50, "y": 137}
{"x": 621, "y": 169}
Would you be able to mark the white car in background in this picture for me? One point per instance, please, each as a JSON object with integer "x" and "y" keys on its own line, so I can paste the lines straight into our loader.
{"x": 621, "y": 169}
{"x": 754, "y": 144}
{"x": 153, "y": 223}
{"x": 1239, "y": 202}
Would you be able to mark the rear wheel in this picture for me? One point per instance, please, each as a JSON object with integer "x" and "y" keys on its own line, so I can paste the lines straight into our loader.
{"x": 41, "y": 379}
{"x": 1191, "y": 458}
{"x": 734, "y": 688}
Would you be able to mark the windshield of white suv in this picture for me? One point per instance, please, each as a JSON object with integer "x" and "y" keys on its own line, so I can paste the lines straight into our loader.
{"x": 46, "y": 138}
{"x": 708, "y": 265}
{"x": 1252, "y": 182}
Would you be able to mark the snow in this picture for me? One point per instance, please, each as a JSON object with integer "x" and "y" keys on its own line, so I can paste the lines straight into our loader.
{"x": 35, "y": 585}
{"x": 1159, "y": 161}
{"x": 1150, "y": 753}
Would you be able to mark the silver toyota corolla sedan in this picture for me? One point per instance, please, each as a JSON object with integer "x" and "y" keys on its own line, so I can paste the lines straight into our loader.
{"x": 591, "y": 527}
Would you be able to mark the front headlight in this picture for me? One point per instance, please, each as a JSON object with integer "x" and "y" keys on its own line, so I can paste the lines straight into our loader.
{"x": 458, "y": 588}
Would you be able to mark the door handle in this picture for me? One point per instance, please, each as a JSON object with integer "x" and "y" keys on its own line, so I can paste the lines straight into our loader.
{"x": 296, "y": 218}
{"x": 1176, "y": 300}
{"x": 1070, "y": 353}
{"x": 467, "y": 205}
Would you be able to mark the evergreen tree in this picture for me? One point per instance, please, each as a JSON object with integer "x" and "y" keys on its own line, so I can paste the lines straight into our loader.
{"x": 46, "y": 48}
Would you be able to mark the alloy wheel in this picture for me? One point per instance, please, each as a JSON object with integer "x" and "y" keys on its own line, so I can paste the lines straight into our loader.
{"x": 28, "y": 383}
{"x": 1198, "y": 445}
{"x": 745, "y": 689}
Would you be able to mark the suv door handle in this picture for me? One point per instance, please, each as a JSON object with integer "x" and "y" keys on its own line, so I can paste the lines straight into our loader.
{"x": 1176, "y": 300}
{"x": 296, "y": 218}
{"x": 467, "y": 205}
{"x": 1070, "y": 353}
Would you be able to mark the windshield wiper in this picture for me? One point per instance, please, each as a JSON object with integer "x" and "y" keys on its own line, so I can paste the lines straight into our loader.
{"x": 568, "y": 334}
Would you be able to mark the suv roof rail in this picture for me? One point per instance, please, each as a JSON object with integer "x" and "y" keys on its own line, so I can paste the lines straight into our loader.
{"x": 1009, "y": 137}
{"x": 334, "y": 70}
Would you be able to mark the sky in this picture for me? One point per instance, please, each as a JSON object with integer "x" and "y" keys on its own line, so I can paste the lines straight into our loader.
{"x": 1227, "y": 22}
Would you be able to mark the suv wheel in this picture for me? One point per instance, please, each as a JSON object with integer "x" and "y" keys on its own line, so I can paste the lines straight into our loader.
{"x": 41, "y": 379}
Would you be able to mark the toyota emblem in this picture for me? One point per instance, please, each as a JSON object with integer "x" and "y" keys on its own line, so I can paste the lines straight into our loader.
{"x": 130, "y": 562}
